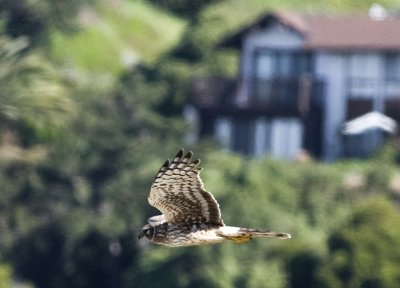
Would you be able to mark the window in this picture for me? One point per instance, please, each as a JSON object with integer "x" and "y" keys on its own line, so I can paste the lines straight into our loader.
{"x": 223, "y": 132}
{"x": 265, "y": 65}
{"x": 392, "y": 77}
{"x": 280, "y": 138}
{"x": 286, "y": 138}
{"x": 275, "y": 71}
{"x": 272, "y": 63}
{"x": 243, "y": 136}
{"x": 363, "y": 65}
{"x": 392, "y": 66}
{"x": 363, "y": 73}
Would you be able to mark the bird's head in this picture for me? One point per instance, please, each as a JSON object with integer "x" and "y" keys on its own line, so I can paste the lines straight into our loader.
{"x": 148, "y": 231}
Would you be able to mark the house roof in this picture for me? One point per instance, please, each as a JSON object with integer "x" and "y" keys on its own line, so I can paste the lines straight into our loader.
{"x": 346, "y": 32}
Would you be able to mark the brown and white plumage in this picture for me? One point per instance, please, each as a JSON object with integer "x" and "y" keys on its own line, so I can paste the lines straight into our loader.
{"x": 179, "y": 194}
{"x": 190, "y": 214}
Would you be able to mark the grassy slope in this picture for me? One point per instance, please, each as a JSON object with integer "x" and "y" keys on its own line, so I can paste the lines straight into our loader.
{"x": 113, "y": 36}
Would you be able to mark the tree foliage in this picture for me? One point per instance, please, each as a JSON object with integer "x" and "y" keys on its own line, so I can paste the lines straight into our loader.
{"x": 34, "y": 19}
{"x": 32, "y": 96}
{"x": 361, "y": 253}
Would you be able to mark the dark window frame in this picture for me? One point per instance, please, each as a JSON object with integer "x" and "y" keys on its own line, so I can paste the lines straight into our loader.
{"x": 278, "y": 55}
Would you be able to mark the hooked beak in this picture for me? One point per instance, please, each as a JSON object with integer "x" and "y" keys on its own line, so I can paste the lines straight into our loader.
{"x": 140, "y": 235}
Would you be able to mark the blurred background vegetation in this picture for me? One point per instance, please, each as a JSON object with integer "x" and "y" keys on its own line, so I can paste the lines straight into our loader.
{"x": 91, "y": 99}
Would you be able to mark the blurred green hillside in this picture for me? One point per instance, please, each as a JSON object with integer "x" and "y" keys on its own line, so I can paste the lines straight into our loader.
{"x": 91, "y": 101}
{"x": 115, "y": 35}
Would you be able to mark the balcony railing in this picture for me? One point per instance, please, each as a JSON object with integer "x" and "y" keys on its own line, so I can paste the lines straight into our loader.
{"x": 290, "y": 96}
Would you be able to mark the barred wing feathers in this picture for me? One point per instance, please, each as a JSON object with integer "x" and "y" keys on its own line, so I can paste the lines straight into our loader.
{"x": 179, "y": 194}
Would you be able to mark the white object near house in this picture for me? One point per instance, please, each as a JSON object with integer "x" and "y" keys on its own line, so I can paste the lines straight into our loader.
{"x": 370, "y": 121}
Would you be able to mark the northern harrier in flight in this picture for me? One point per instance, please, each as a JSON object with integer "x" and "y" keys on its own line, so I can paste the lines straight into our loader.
{"x": 190, "y": 214}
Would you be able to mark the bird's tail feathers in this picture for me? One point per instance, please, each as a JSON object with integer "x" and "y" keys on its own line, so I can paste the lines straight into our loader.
{"x": 242, "y": 235}
{"x": 265, "y": 233}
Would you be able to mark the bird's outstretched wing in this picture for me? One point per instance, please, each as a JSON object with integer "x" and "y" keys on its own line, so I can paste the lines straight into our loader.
{"x": 179, "y": 194}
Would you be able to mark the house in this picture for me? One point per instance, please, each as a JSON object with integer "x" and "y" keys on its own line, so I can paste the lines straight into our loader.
{"x": 302, "y": 77}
